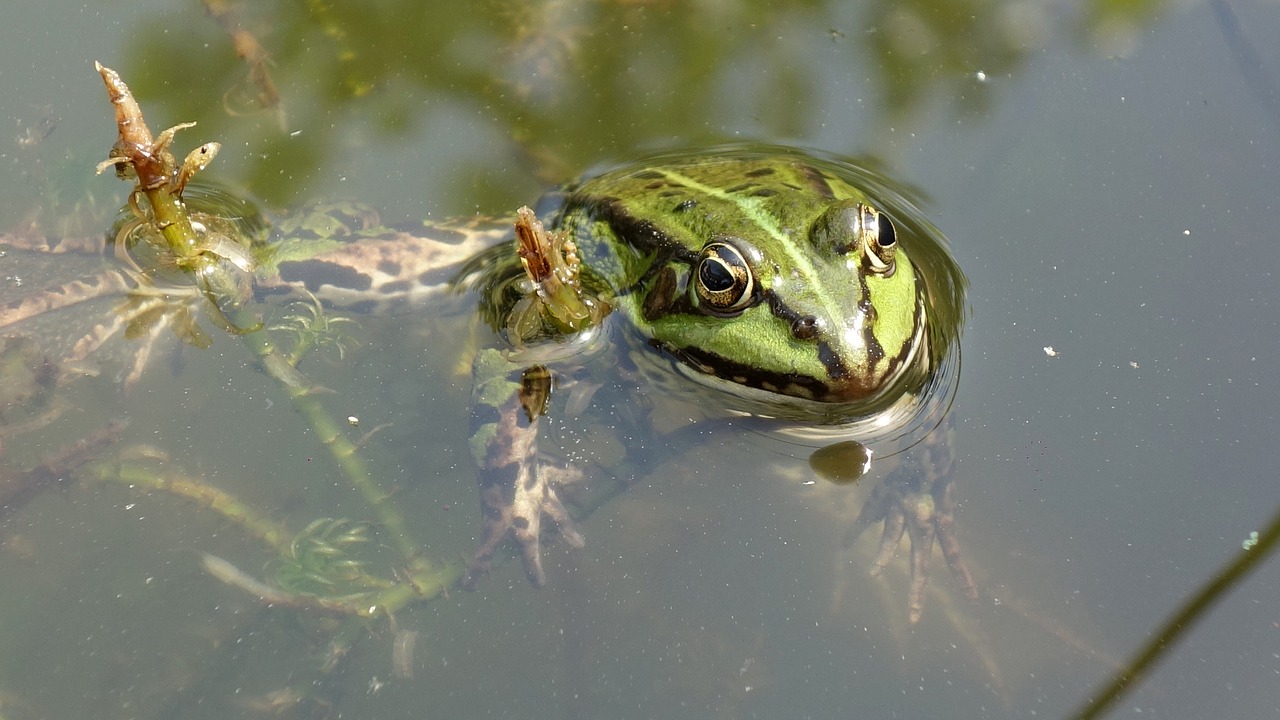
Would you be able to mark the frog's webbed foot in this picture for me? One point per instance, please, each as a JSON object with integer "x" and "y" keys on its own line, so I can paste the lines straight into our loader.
{"x": 515, "y": 506}
{"x": 516, "y": 491}
{"x": 920, "y": 502}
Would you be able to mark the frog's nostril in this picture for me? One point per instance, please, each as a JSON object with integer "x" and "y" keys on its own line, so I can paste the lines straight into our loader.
{"x": 805, "y": 327}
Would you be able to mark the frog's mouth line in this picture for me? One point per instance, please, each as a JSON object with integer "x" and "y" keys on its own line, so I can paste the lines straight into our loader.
{"x": 809, "y": 398}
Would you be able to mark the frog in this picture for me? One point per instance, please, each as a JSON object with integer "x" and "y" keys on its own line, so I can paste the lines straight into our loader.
{"x": 800, "y": 291}
{"x": 765, "y": 282}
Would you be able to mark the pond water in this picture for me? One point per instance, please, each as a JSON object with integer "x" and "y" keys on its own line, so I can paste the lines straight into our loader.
{"x": 1107, "y": 176}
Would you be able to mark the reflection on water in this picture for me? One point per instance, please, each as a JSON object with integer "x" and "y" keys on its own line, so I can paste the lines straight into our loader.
{"x": 1094, "y": 491}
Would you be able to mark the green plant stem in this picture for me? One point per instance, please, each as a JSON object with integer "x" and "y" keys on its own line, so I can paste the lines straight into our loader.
{"x": 344, "y": 452}
{"x": 174, "y": 224}
{"x": 425, "y": 582}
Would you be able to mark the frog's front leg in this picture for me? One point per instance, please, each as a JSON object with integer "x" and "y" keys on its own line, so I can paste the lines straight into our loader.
{"x": 515, "y": 490}
{"x": 918, "y": 498}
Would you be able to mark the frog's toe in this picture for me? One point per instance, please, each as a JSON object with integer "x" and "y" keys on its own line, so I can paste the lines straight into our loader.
{"x": 531, "y": 554}
{"x": 884, "y": 505}
{"x": 555, "y": 511}
{"x": 945, "y": 522}
{"x": 895, "y": 524}
{"x": 922, "y": 532}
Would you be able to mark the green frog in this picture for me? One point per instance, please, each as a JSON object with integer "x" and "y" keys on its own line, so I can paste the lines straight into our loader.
{"x": 761, "y": 282}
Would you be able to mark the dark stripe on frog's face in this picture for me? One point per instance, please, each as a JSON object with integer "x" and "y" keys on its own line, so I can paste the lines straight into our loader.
{"x": 817, "y": 182}
{"x": 843, "y": 387}
{"x": 639, "y": 233}
{"x": 712, "y": 364}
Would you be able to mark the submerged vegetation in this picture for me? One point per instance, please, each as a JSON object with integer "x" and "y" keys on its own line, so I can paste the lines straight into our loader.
{"x": 318, "y": 567}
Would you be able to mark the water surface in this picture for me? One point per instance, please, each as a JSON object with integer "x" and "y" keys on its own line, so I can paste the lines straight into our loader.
{"x": 1107, "y": 180}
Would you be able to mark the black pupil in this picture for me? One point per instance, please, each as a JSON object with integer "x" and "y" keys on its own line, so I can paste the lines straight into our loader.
{"x": 887, "y": 234}
{"x": 715, "y": 275}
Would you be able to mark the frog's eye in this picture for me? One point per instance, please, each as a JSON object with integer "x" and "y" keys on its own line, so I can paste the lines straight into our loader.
{"x": 723, "y": 279}
{"x": 879, "y": 238}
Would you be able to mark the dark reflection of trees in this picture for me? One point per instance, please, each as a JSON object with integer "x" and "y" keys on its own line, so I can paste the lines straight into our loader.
{"x": 572, "y": 82}
{"x": 545, "y": 73}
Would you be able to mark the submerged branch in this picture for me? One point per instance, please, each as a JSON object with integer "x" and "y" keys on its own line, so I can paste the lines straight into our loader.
{"x": 18, "y": 489}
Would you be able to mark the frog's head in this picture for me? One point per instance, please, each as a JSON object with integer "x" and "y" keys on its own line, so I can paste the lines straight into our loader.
{"x": 829, "y": 311}
{"x": 767, "y": 273}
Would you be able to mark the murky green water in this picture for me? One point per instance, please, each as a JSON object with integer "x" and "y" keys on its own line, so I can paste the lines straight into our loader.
{"x": 1109, "y": 185}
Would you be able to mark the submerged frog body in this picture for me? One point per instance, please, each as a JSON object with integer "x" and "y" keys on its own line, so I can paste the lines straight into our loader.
{"x": 772, "y": 281}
